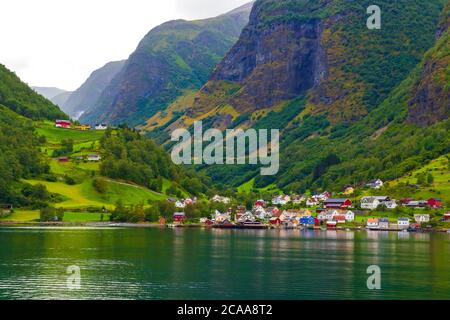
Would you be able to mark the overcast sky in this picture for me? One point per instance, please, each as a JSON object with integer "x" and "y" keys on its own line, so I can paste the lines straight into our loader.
{"x": 58, "y": 43}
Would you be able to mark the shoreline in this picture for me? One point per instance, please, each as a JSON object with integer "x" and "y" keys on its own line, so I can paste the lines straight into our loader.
{"x": 197, "y": 226}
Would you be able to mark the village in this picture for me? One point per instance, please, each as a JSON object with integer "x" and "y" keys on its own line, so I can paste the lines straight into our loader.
{"x": 321, "y": 211}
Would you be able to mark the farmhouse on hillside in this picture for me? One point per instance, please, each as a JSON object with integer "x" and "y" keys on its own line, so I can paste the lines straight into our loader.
{"x": 375, "y": 184}
{"x": 338, "y": 203}
{"x": 422, "y": 218}
{"x": 65, "y": 124}
{"x": 101, "y": 126}
{"x": 94, "y": 157}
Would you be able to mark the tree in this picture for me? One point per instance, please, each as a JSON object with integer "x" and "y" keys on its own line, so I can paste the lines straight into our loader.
{"x": 100, "y": 185}
{"x": 152, "y": 214}
{"x": 51, "y": 214}
{"x": 430, "y": 178}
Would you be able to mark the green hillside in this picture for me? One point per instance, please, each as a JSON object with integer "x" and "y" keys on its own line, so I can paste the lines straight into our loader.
{"x": 417, "y": 184}
{"x": 18, "y": 97}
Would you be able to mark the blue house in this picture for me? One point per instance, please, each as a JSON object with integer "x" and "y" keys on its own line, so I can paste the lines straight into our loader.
{"x": 307, "y": 221}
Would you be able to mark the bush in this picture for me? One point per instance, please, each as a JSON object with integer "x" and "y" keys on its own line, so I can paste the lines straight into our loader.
{"x": 50, "y": 178}
{"x": 51, "y": 214}
{"x": 69, "y": 180}
{"x": 100, "y": 185}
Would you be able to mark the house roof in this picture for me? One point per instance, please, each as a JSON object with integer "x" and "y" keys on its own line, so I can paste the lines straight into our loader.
{"x": 340, "y": 200}
{"x": 372, "y": 220}
{"x": 179, "y": 214}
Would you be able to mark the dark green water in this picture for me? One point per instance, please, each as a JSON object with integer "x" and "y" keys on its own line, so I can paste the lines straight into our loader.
{"x": 221, "y": 264}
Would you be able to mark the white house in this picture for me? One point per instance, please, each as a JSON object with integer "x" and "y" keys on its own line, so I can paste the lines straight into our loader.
{"x": 246, "y": 217}
{"x": 422, "y": 218}
{"x": 372, "y": 203}
{"x": 375, "y": 184}
{"x": 261, "y": 213}
{"x": 101, "y": 126}
{"x": 281, "y": 200}
{"x": 369, "y": 203}
{"x": 221, "y": 217}
{"x": 94, "y": 157}
{"x": 220, "y": 199}
{"x": 180, "y": 204}
{"x": 296, "y": 199}
{"x": 372, "y": 223}
{"x": 349, "y": 216}
{"x": 403, "y": 223}
{"x": 311, "y": 202}
{"x": 392, "y": 204}
{"x": 331, "y": 214}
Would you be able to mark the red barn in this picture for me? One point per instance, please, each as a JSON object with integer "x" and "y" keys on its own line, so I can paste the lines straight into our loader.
{"x": 434, "y": 203}
{"x": 338, "y": 203}
{"x": 63, "y": 124}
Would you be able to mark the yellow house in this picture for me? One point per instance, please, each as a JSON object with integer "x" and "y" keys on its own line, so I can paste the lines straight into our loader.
{"x": 349, "y": 191}
{"x": 83, "y": 127}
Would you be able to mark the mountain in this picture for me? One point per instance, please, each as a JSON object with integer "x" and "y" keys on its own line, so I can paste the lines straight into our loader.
{"x": 173, "y": 58}
{"x": 21, "y": 99}
{"x": 20, "y": 156}
{"x": 61, "y": 99}
{"x": 49, "y": 92}
{"x": 430, "y": 97}
{"x": 84, "y": 99}
{"x": 352, "y": 104}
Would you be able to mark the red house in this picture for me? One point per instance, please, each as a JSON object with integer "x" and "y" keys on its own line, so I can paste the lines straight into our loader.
{"x": 179, "y": 217}
{"x": 65, "y": 124}
{"x": 63, "y": 159}
{"x": 275, "y": 221}
{"x": 447, "y": 216}
{"x": 340, "y": 219}
{"x": 434, "y": 203}
{"x": 260, "y": 203}
{"x": 338, "y": 203}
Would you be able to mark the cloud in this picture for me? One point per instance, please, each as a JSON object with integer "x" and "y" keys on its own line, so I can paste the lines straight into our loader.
{"x": 197, "y": 9}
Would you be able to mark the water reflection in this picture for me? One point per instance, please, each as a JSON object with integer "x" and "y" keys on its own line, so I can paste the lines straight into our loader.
{"x": 221, "y": 264}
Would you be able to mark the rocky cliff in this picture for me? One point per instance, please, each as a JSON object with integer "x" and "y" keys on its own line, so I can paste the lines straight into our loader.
{"x": 322, "y": 49}
{"x": 430, "y": 98}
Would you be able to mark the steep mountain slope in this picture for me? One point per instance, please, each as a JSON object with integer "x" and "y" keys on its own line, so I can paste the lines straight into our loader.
{"x": 86, "y": 97}
{"x": 21, "y": 99}
{"x": 430, "y": 100}
{"x": 347, "y": 99}
{"x": 19, "y": 153}
{"x": 172, "y": 58}
{"x": 293, "y": 46}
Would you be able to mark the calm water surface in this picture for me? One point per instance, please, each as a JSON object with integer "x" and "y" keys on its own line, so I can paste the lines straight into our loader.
{"x": 221, "y": 264}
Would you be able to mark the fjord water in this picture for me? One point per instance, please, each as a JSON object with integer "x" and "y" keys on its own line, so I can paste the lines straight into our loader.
{"x": 153, "y": 263}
